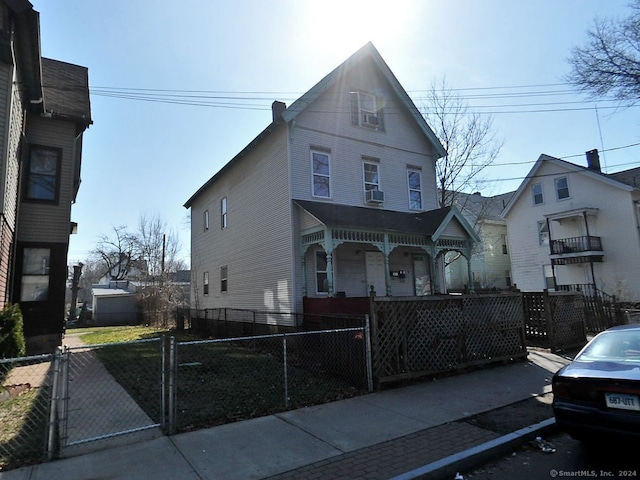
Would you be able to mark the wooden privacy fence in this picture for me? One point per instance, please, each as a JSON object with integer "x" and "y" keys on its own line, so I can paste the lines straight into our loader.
{"x": 417, "y": 336}
{"x": 554, "y": 320}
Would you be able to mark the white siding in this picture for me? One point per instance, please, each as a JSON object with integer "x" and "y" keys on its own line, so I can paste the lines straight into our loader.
{"x": 257, "y": 244}
{"x": 615, "y": 223}
{"x": 327, "y": 124}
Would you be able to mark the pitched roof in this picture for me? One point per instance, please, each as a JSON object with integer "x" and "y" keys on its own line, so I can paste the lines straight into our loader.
{"x": 621, "y": 180}
{"x": 429, "y": 223}
{"x": 66, "y": 91}
{"x": 630, "y": 177}
{"x": 289, "y": 114}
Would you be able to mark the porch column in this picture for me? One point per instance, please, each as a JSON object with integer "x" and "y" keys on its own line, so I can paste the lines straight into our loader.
{"x": 470, "y": 274}
{"x": 387, "y": 272}
{"x": 330, "y": 273}
{"x": 436, "y": 273}
{"x": 304, "y": 273}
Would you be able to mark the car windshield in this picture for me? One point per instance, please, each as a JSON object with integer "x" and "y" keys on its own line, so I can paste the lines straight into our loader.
{"x": 619, "y": 346}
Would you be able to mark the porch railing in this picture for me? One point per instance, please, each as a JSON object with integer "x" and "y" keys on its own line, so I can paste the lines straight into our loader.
{"x": 576, "y": 245}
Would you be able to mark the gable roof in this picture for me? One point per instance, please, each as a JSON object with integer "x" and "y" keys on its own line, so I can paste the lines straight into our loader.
{"x": 431, "y": 223}
{"x": 367, "y": 52}
{"x": 616, "y": 180}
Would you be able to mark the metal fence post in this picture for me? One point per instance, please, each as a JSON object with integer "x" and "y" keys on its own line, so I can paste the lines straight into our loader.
{"x": 172, "y": 385}
{"x": 53, "y": 408}
{"x": 163, "y": 381}
{"x": 64, "y": 396}
{"x": 367, "y": 349}
{"x": 286, "y": 379}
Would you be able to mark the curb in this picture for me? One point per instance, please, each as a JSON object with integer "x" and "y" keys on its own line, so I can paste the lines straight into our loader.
{"x": 479, "y": 454}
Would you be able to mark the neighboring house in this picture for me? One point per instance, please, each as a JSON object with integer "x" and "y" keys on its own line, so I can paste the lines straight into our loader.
{"x": 44, "y": 110}
{"x": 335, "y": 197}
{"x": 490, "y": 262}
{"x": 572, "y": 227}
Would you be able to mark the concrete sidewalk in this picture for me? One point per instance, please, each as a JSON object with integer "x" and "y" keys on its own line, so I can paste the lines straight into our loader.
{"x": 405, "y": 432}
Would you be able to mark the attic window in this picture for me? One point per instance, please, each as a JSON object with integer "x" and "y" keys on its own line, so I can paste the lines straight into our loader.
{"x": 366, "y": 110}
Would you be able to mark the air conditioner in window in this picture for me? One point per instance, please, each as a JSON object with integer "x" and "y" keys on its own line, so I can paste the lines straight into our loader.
{"x": 370, "y": 120}
{"x": 375, "y": 196}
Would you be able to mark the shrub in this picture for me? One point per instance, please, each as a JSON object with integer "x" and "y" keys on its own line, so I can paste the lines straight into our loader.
{"x": 11, "y": 333}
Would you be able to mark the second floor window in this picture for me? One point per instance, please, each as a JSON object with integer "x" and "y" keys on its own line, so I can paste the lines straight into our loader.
{"x": 321, "y": 168}
{"x": 562, "y": 188}
{"x": 223, "y": 213}
{"x": 415, "y": 190}
{"x": 371, "y": 176}
{"x": 536, "y": 190}
{"x": 543, "y": 232}
{"x": 43, "y": 174}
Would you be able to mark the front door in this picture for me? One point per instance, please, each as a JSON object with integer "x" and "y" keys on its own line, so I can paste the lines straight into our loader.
{"x": 375, "y": 273}
{"x": 421, "y": 278}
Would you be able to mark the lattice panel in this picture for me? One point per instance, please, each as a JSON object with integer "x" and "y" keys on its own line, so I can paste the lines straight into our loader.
{"x": 568, "y": 321}
{"x": 438, "y": 334}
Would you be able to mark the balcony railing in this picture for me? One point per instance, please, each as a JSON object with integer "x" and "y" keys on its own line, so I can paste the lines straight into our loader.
{"x": 576, "y": 245}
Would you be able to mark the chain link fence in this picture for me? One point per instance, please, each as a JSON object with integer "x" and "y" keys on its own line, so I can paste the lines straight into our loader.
{"x": 26, "y": 390}
{"x": 87, "y": 397}
{"x": 225, "y": 380}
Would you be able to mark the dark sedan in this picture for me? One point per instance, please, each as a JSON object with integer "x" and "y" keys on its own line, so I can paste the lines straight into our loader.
{"x": 598, "y": 394}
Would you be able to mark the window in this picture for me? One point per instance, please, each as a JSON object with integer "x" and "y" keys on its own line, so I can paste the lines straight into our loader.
{"x": 223, "y": 213}
{"x": 366, "y": 110}
{"x": 371, "y": 176}
{"x": 543, "y": 232}
{"x": 205, "y": 282}
{"x": 43, "y": 174}
{"x": 507, "y": 277}
{"x": 321, "y": 167}
{"x": 415, "y": 190}
{"x": 562, "y": 188}
{"x": 536, "y": 189}
{"x": 505, "y": 249}
{"x": 549, "y": 279}
{"x": 35, "y": 275}
{"x": 223, "y": 279}
{"x": 322, "y": 281}
{"x": 206, "y": 220}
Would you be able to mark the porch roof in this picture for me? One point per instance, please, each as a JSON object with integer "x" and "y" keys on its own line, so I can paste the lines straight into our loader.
{"x": 335, "y": 215}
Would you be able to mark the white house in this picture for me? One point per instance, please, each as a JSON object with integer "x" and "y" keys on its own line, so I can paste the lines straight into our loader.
{"x": 336, "y": 195}
{"x": 574, "y": 227}
{"x": 490, "y": 260}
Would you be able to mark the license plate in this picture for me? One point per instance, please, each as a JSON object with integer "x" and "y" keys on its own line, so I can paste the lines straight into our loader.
{"x": 622, "y": 401}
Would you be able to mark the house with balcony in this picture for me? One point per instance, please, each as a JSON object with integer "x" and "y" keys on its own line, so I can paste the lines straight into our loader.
{"x": 44, "y": 110}
{"x": 572, "y": 227}
{"x": 336, "y": 197}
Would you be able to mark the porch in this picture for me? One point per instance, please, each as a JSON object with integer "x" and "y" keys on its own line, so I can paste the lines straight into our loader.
{"x": 350, "y": 251}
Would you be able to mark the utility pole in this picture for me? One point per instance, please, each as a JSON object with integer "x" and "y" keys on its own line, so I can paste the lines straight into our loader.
{"x": 75, "y": 286}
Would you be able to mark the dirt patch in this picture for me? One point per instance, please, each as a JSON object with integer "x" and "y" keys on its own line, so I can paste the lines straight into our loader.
{"x": 515, "y": 416}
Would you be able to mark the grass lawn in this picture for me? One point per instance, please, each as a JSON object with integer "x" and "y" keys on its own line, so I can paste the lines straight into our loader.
{"x": 216, "y": 382}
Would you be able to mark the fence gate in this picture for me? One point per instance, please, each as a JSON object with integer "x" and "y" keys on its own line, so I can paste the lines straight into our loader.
{"x": 108, "y": 391}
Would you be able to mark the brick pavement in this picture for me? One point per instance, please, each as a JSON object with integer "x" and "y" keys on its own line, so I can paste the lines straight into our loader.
{"x": 388, "y": 459}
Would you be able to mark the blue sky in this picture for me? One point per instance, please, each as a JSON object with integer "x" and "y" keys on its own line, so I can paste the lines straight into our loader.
{"x": 508, "y": 57}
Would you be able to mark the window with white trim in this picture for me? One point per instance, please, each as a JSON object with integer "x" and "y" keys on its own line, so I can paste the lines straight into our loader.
{"x": 206, "y": 220}
{"x": 322, "y": 280}
{"x": 43, "y": 174}
{"x": 223, "y": 213}
{"x": 414, "y": 181}
{"x": 321, "y": 172}
{"x": 536, "y": 190}
{"x": 562, "y": 188}
{"x": 205, "y": 283}
{"x": 371, "y": 176}
{"x": 366, "y": 110}
{"x": 224, "y": 281}
{"x": 543, "y": 232}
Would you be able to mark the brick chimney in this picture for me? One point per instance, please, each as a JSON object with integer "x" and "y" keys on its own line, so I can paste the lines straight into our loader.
{"x": 276, "y": 110}
{"x": 593, "y": 160}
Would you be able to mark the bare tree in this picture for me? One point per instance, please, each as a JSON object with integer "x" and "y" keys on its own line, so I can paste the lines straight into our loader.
{"x": 609, "y": 63}
{"x": 468, "y": 138}
{"x": 117, "y": 254}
